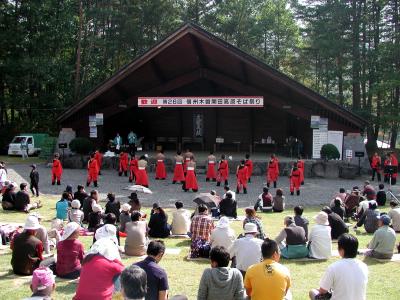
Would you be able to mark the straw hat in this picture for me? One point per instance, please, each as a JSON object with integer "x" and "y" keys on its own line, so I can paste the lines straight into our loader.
{"x": 69, "y": 229}
{"x": 32, "y": 223}
{"x": 321, "y": 218}
{"x": 223, "y": 222}
{"x": 250, "y": 228}
{"x": 75, "y": 204}
{"x": 125, "y": 207}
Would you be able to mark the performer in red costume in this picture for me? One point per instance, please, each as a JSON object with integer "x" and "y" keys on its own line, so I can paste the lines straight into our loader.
{"x": 190, "y": 180}
{"x": 93, "y": 171}
{"x": 300, "y": 166}
{"x": 376, "y": 163}
{"x": 249, "y": 164}
{"x": 179, "y": 175}
{"x": 160, "y": 166}
{"x": 142, "y": 178}
{"x": 272, "y": 170}
{"x": 295, "y": 177}
{"x": 133, "y": 168}
{"x": 223, "y": 171}
{"x": 211, "y": 174}
{"x": 123, "y": 163}
{"x": 242, "y": 178}
{"x": 391, "y": 160}
{"x": 99, "y": 158}
{"x": 56, "y": 170}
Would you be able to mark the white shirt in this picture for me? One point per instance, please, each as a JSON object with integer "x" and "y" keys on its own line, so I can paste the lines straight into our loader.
{"x": 180, "y": 221}
{"x": 321, "y": 241}
{"x": 394, "y": 214}
{"x": 347, "y": 278}
{"x": 247, "y": 251}
{"x": 233, "y": 195}
{"x": 364, "y": 205}
{"x": 3, "y": 177}
{"x": 223, "y": 237}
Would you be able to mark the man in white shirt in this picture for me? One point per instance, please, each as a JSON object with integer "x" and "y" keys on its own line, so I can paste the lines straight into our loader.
{"x": 3, "y": 174}
{"x": 228, "y": 190}
{"x": 180, "y": 219}
{"x": 347, "y": 278}
{"x": 247, "y": 250}
{"x": 394, "y": 214}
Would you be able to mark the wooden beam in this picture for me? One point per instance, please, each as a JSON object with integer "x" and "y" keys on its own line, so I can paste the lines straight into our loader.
{"x": 199, "y": 51}
{"x": 157, "y": 71}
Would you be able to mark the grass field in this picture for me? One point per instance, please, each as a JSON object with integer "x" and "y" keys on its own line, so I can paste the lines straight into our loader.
{"x": 184, "y": 276}
{"x": 18, "y": 160}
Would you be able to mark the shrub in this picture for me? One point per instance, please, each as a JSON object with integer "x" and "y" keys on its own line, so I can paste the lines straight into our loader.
{"x": 329, "y": 151}
{"x": 81, "y": 146}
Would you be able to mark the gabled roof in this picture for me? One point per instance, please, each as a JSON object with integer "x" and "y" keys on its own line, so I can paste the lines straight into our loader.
{"x": 192, "y": 50}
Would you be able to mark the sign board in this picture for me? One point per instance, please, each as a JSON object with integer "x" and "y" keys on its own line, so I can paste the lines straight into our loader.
{"x": 323, "y": 124}
{"x": 359, "y": 153}
{"x": 219, "y": 140}
{"x": 314, "y": 122}
{"x": 349, "y": 153}
{"x": 93, "y": 132}
{"x": 336, "y": 138}
{"x": 63, "y": 145}
{"x": 92, "y": 121}
{"x": 222, "y": 101}
{"x": 99, "y": 119}
{"x": 320, "y": 138}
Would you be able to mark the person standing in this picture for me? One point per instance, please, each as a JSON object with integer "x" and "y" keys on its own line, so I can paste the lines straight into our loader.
{"x": 56, "y": 170}
{"x": 93, "y": 171}
{"x": 249, "y": 164}
{"x": 376, "y": 163}
{"x": 179, "y": 174}
{"x": 241, "y": 177}
{"x": 24, "y": 148}
{"x": 117, "y": 142}
{"x": 211, "y": 160}
{"x": 187, "y": 156}
{"x": 123, "y": 163}
{"x": 190, "y": 179}
{"x": 142, "y": 178}
{"x": 300, "y": 166}
{"x": 223, "y": 171}
{"x": 132, "y": 138}
{"x": 99, "y": 158}
{"x": 3, "y": 175}
{"x": 295, "y": 180}
{"x": 133, "y": 168}
{"x": 161, "y": 173}
{"x": 272, "y": 170}
{"x": 34, "y": 177}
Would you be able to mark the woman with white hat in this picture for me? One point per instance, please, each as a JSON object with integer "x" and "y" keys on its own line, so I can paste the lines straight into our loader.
{"x": 70, "y": 253}
{"x": 320, "y": 241}
{"x": 75, "y": 214}
{"x": 124, "y": 217}
{"x": 223, "y": 235}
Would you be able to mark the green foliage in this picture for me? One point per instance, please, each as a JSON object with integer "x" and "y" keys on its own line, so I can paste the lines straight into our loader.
{"x": 81, "y": 146}
{"x": 329, "y": 151}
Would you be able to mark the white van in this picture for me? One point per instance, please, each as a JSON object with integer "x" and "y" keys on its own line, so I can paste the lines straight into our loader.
{"x": 27, "y": 140}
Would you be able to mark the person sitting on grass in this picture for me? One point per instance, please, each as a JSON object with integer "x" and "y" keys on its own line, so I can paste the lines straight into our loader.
{"x": 338, "y": 226}
{"x": 75, "y": 214}
{"x": 369, "y": 218}
{"x": 292, "y": 240}
{"x": 113, "y": 206}
{"x": 369, "y": 191}
{"x": 180, "y": 220}
{"x": 23, "y": 201}
{"x": 394, "y": 214}
{"x": 95, "y": 218}
{"x": 80, "y": 194}
{"x": 136, "y": 236}
{"x": 346, "y": 278}
{"x": 62, "y": 207}
{"x": 124, "y": 217}
{"x": 299, "y": 220}
{"x": 101, "y": 267}
{"x": 133, "y": 283}
{"x": 88, "y": 203}
{"x": 278, "y": 202}
{"x": 319, "y": 240}
{"x": 70, "y": 253}
{"x": 268, "y": 277}
{"x": 384, "y": 240}
{"x": 111, "y": 220}
{"x": 338, "y": 208}
{"x": 264, "y": 200}
{"x": 228, "y": 207}
{"x": 222, "y": 235}
{"x": 251, "y": 217}
{"x": 158, "y": 223}
{"x": 8, "y": 200}
{"x": 42, "y": 284}
{"x": 220, "y": 281}
{"x": 351, "y": 202}
{"x": 42, "y": 234}
{"x": 381, "y": 195}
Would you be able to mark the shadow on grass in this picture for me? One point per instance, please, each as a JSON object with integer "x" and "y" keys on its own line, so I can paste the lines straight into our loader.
{"x": 183, "y": 243}
{"x": 67, "y": 289}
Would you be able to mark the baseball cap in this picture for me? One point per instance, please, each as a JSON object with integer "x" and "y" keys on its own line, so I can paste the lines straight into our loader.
{"x": 385, "y": 219}
{"x": 42, "y": 278}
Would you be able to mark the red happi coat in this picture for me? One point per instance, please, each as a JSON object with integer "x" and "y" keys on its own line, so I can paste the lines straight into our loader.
{"x": 273, "y": 170}
{"x": 376, "y": 162}
{"x": 249, "y": 165}
{"x": 223, "y": 170}
{"x": 300, "y": 166}
{"x": 93, "y": 170}
{"x": 123, "y": 162}
{"x": 98, "y": 156}
{"x": 295, "y": 180}
{"x": 133, "y": 168}
{"x": 56, "y": 169}
{"x": 242, "y": 177}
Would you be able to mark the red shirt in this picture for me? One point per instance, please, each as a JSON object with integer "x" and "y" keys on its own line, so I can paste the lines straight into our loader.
{"x": 69, "y": 256}
{"x": 97, "y": 276}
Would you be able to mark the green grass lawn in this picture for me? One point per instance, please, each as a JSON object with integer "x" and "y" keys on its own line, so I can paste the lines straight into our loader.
{"x": 184, "y": 276}
{"x": 18, "y": 160}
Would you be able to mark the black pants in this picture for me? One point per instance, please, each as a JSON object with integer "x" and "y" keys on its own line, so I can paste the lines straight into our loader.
{"x": 35, "y": 186}
{"x": 378, "y": 175}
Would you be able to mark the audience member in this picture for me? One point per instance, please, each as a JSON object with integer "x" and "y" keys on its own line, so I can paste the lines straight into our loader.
{"x": 338, "y": 226}
{"x": 268, "y": 277}
{"x": 299, "y": 220}
{"x": 338, "y": 208}
{"x": 201, "y": 225}
{"x": 70, "y": 253}
{"x": 370, "y": 218}
{"x": 3, "y": 175}
{"x": 27, "y": 250}
{"x": 113, "y": 206}
{"x": 180, "y": 220}
{"x": 124, "y": 217}
{"x": 346, "y": 278}
{"x": 42, "y": 284}
{"x": 134, "y": 202}
{"x": 384, "y": 240}
{"x": 101, "y": 267}
{"x": 351, "y": 202}
{"x": 62, "y": 207}
{"x": 222, "y": 235}
{"x": 23, "y": 201}
{"x": 80, "y": 194}
{"x": 136, "y": 236}
{"x": 220, "y": 281}
{"x": 8, "y": 199}
{"x": 381, "y": 195}
{"x": 41, "y": 234}
{"x": 157, "y": 279}
{"x": 251, "y": 217}
{"x": 292, "y": 240}
{"x": 158, "y": 226}
{"x": 95, "y": 218}
{"x": 88, "y": 204}
{"x": 133, "y": 283}
{"x": 264, "y": 200}
{"x": 75, "y": 214}
{"x": 369, "y": 191}
{"x": 394, "y": 214}
{"x": 228, "y": 206}
{"x": 247, "y": 250}
{"x": 111, "y": 220}
{"x": 278, "y": 202}
{"x": 342, "y": 194}
{"x": 227, "y": 190}
{"x": 319, "y": 240}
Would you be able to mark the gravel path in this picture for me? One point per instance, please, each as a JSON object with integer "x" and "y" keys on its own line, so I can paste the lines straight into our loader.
{"x": 316, "y": 191}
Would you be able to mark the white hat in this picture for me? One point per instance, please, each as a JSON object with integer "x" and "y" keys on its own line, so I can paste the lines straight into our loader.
{"x": 223, "y": 222}
{"x": 107, "y": 231}
{"x": 76, "y": 204}
{"x": 32, "y": 223}
{"x": 125, "y": 207}
{"x": 69, "y": 229}
{"x": 96, "y": 208}
{"x": 36, "y": 215}
{"x": 321, "y": 218}
{"x": 250, "y": 228}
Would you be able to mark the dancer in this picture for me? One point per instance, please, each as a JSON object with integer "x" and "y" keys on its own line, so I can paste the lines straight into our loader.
{"x": 178, "y": 171}
{"x": 99, "y": 158}
{"x": 376, "y": 163}
{"x": 211, "y": 175}
{"x": 142, "y": 178}
{"x": 300, "y": 166}
{"x": 249, "y": 164}
{"x": 295, "y": 180}
{"x": 56, "y": 170}
{"x": 123, "y": 163}
{"x": 133, "y": 168}
{"x": 223, "y": 171}
{"x": 160, "y": 166}
{"x": 272, "y": 170}
{"x": 93, "y": 171}
{"x": 242, "y": 178}
{"x": 190, "y": 180}
{"x": 187, "y": 156}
